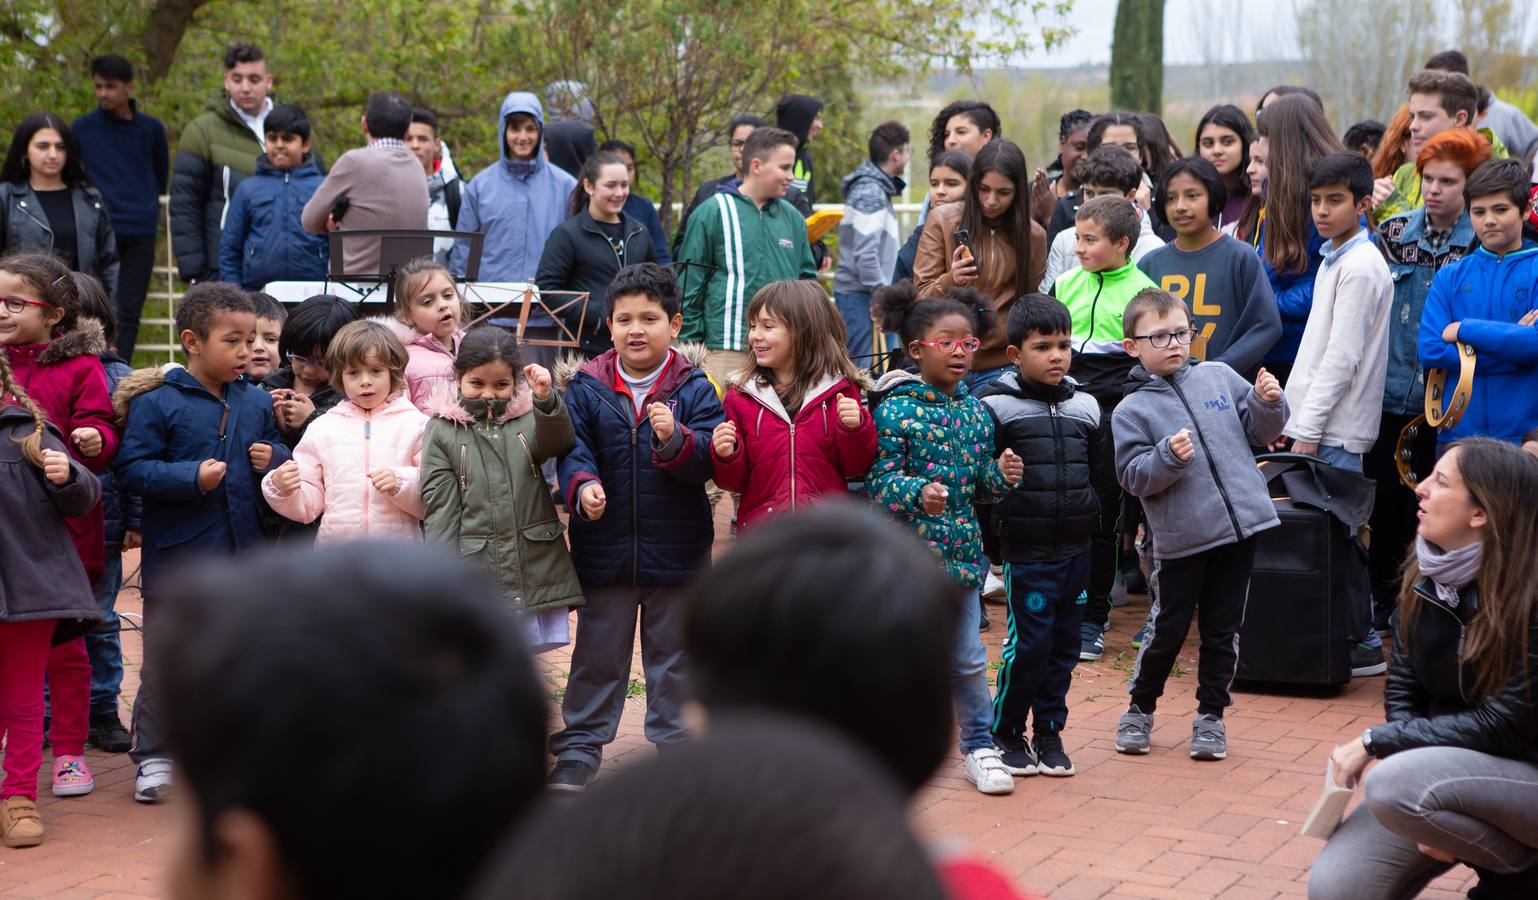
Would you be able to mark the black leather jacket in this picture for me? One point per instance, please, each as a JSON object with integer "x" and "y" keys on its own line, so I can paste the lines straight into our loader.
{"x": 24, "y": 226}
{"x": 1426, "y": 695}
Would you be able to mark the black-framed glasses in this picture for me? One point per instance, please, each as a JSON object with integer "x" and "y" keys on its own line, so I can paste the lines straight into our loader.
{"x": 1159, "y": 340}
{"x": 14, "y": 305}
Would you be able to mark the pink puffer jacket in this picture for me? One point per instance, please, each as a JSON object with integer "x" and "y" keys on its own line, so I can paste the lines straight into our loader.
{"x": 428, "y": 362}
{"x": 335, "y": 457}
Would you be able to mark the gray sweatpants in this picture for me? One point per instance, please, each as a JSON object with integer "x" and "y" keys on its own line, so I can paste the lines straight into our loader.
{"x": 1477, "y": 807}
{"x": 600, "y": 670}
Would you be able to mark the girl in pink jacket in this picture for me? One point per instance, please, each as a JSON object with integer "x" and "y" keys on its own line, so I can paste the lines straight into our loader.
{"x": 428, "y": 313}
{"x": 358, "y": 463}
{"x": 795, "y": 431}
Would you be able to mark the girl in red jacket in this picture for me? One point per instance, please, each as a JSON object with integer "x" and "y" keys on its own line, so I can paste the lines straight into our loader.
{"x": 55, "y": 358}
{"x": 795, "y": 430}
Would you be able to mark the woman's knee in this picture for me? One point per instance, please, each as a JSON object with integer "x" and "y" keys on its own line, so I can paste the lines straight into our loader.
{"x": 1395, "y": 788}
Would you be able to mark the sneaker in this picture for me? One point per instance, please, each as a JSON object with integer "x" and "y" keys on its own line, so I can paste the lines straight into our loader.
{"x": 1020, "y": 760}
{"x": 152, "y": 783}
{"x": 1132, "y": 730}
{"x": 1209, "y": 739}
{"x": 20, "y": 825}
{"x": 982, "y": 615}
{"x": 72, "y": 777}
{"x": 994, "y": 588}
{"x": 1091, "y": 642}
{"x": 571, "y": 775}
{"x": 1050, "y": 758}
{"x": 1133, "y": 582}
{"x": 1141, "y": 636}
{"x": 108, "y": 734}
{"x": 1367, "y": 660}
{"x": 985, "y": 768}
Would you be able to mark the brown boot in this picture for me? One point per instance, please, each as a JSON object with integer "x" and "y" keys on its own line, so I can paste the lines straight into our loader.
{"x": 19, "y": 822}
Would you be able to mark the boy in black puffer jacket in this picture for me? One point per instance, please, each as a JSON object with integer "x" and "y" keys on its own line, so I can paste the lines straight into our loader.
{"x": 1045, "y": 526}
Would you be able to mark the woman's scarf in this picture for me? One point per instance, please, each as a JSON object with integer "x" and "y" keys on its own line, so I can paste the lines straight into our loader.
{"x": 1449, "y": 571}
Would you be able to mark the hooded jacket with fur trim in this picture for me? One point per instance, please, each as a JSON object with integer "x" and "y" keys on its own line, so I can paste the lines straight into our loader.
{"x": 336, "y": 457}
{"x": 429, "y": 364}
{"x": 656, "y": 527}
{"x": 66, "y": 379}
{"x": 785, "y": 461}
{"x": 484, "y": 493}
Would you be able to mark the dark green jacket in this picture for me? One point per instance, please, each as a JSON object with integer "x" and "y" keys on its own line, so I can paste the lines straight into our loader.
{"x": 484, "y": 492}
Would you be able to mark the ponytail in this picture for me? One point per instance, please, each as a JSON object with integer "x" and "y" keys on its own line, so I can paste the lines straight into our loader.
{"x": 903, "y": 312}
{"x": 32, "y": 444}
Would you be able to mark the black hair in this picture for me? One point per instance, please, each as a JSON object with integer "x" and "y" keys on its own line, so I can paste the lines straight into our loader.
{"x": 656, "y": 282}
{"x": 268, "y": 307}
{"x": 16, "y": 166}
{"x": 1159, "y": 147}
{"x": 1449, "y": 61}
{"x": 1202, "y": 170}
{"x": 1118, "y": 217}
{"x": 958, "y": 161}
{"x": 92, "y": 302}
{"x": 488, "y": 344}
{"x": 1111, "y": 166}
{"x": 977, "y": 112}
{"x": 755, "y": 121}
{"x": 903, "y": 312}
{"x": 287, "y": 119}
{"x": 113, "y": 68}
{"x": 764, "y": 141}
{"x": 242, "y": 53}
{"x": 1283, "y": 90}
{"x": 424, "y": 116}
{"x": 1226, "y": 115}
{"x": 887, "y": 137}
{"x": 313, "y": 323}
{"x": 204, "y": 302}
{"x": 388, "y": 115}
{"x": 1499, "y": 176}
{"x": 749, "y": 616}
{"x": 590, "y": 170}
{"x": 615, "y": 145}
{"x": 1036, "y": 314}
{"x": 760, "y": 807}
{"x": 1367, "y": 133}
{"x": 1071, "y": 121}
{"x": 1345, "y": 167}
{"x": 1100, "y": 123}
{"x": 417, "y": 647}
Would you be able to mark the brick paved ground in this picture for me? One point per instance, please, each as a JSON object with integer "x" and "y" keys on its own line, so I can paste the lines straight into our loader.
{"x": 1160, "y": 825}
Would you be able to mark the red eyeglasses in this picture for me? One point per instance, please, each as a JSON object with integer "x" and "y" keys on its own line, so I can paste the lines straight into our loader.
{"x": 949, "y": 345}
{"x": 17, "y": 304}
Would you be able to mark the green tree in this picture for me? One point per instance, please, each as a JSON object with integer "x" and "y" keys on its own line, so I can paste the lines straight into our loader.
{"x": 1137, "y": 56}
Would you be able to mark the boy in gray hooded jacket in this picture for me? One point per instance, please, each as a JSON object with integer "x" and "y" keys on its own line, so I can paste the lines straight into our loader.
{"x": 1183, "y": 437}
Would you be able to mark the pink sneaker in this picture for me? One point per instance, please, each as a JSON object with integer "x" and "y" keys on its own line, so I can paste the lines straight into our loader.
{"x": 72, "y": 777}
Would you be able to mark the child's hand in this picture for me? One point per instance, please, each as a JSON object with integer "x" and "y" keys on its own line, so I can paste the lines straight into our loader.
{"x": 385, "y": 481}
{"x": 662, "y": 421}
{"x": 261, "y": 455}
{"x": 1306, "y": 448}
{"x": 279, "y": 395}
{"x": 933, "y": 498}
{"x": 963, "y": 266}
{"x": 593, "y": 500}
{"x": 88, "y": 440}
{"x": 1181, "y": 446}
{"x": 724, "y": 439}
{"x": 1012, "y": 466}
{"x": 1267, "y": 387}
{"x": 1382, "y": 189}
{"x": 286, "y": 478}
{"x": 295, "y": 411}
{"x": 1529, "y": 317}
{"x": 538, "y": 378}
{"x": 210, "y": 473}
{"x": 56, "y": 466}
{"x": 849, "y": 412}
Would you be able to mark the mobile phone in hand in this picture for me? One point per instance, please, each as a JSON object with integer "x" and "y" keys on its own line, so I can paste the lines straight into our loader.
{"x": 339, "y": 208}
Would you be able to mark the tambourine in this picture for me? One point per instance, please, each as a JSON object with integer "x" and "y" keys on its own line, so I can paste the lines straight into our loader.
{"x": 1436, "y": 416}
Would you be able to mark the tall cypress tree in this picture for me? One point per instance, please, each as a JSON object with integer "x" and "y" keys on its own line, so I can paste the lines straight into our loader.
{"x": 1137, "y": 56}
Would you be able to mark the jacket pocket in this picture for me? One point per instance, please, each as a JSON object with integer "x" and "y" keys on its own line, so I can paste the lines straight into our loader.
{"x": 469, "y": 546}
{"x": 542, "y": 531}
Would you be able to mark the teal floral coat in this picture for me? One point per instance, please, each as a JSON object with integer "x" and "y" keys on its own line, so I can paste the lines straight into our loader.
{"x": 925, "y": 435}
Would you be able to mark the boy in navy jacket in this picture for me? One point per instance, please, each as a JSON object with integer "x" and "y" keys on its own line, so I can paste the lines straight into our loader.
{"x": 640, "y": 523}
{"x": 263, "y": 239}
{"x": 195, "y": 446}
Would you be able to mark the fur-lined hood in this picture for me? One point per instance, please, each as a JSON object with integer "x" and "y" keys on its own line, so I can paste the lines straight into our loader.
{"x": 443, "y": 403}
{"x": 87, "y": 338}
{"x": 567, "y": 367}
{"x": 408, "y": 334}
{"x": 135, "y": 384}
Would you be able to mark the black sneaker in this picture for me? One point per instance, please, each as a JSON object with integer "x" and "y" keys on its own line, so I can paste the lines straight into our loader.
{"x": 1050, "y": 758}
{"x": 982, "y": 615}
{"x": 571, "y": 775}
{"x": 1133, "y": 582}
{"x": 108, "y": 734}
{"x": 1019, "y": 759}
{"x": 1367, "y": 660}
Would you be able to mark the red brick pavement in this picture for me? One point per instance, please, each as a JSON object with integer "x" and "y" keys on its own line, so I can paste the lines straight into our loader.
{"x": 1155, "y": 826}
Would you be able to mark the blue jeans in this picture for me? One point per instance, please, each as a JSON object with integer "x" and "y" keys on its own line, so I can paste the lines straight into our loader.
{"x": 1340, "y": 459}
{"x": 103, "y": 645}
{"x": 859, "y": 330}
{"x": 969, "y": 679}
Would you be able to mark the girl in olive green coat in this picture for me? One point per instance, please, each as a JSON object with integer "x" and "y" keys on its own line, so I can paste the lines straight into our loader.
{"x": 482, "y": 485}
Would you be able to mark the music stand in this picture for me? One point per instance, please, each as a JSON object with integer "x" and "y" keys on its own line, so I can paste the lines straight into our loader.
{"x": 398, "y": 246}
{"x": 531, "y": 297}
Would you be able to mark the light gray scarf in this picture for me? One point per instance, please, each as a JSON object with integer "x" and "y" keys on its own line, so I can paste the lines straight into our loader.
{"x": 1449, "y": 571}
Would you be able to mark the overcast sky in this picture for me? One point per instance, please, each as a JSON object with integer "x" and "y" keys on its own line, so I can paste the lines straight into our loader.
{"x": 1093, "y": 20}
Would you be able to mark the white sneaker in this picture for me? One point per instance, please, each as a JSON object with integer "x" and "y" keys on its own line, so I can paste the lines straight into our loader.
{"x": 994, "y": 588}
{"x": 152, "y": 784}
{"x": 985, "y": 768}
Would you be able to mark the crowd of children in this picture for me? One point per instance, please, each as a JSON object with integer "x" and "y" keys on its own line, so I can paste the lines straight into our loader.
{"x": 1079, "y": 364}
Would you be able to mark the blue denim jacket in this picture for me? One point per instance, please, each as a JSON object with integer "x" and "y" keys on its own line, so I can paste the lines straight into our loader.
{"x": 1413, "y": 263}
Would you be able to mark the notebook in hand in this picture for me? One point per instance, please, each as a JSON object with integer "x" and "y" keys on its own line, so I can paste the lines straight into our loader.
{"x": 1330, "y": 808}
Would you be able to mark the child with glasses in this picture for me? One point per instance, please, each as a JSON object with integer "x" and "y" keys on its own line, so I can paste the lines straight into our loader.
{"x": 1183, "y": 437}
{"x": 301, "y": 387}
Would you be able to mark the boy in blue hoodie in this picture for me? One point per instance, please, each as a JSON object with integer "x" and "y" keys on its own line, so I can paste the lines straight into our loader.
{"x": 195, "y": 446}
{"x": 1487, "y": 301}
{"x": 263, "y": 239}
{"x": 640, "y": 526}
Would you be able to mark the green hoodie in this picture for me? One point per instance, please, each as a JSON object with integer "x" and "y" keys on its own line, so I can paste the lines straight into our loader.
{"x": 1095, "y": 301}
{"x": 730, "y": 250}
